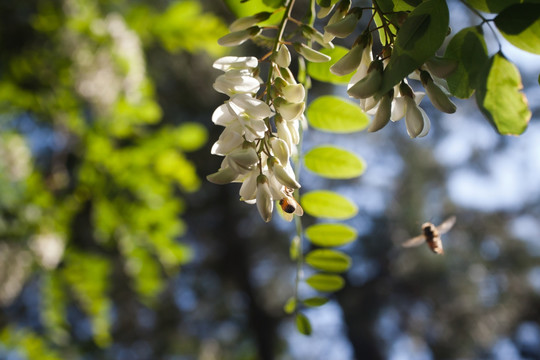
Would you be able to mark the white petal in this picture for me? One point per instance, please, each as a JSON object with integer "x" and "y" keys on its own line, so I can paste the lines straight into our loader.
{"x": 227, "y": 142}
{"x": 235, "y": 62}
{"x": 248, "y": 189}
{"x": 223, "y": 115}
{"x": 253, "y": 107}
{"x": 399, "y": 108}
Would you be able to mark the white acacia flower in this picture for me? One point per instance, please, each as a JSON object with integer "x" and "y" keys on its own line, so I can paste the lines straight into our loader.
{"x": 237, "y": 82}
{"x": 244, "y": 115}
{"x": 265, "y": 202}
{"x": 416, "y": 119}
{"x": 227, "y": 142}
{"x": 236, "y": 62}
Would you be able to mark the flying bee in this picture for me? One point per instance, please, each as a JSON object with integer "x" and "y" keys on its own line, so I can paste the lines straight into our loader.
{"x": 431, "y": 234}
{"x": 290, "y": 206}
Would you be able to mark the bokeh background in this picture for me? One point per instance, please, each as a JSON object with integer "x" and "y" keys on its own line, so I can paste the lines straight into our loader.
{"x": 113, "y": 246}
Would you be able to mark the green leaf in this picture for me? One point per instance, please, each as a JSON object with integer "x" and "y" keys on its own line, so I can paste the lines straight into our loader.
{"x": 315, "y": 301}
{"x": 252, "y": 7}
{"x": 469, "y": 49}
{"x": 333, "y": 114}
{"x": 329, "y": 260}
{"x": 418, "y": 39}
{"x": 491, "y": 6}
{"x": 274, "y": 3}
{"x": 330, "y": 234}
{"x": 294, "y": 249}
{"x": 302, "y": 324}
{"x": 520, "y": 25}
{"x": 321, "y": 71}
{"x": 499, "y": 98}
{"x": 326, "y": 282}
{"x": 191, "y": 136}
{"x": 328, "y": 204}
{"x": 290, "y": 306}
{"x": 334, "y": 163}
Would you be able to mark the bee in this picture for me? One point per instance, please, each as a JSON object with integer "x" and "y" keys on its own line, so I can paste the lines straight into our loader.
{"x": 431, "y": 234}
{"x": 290, "y": 206}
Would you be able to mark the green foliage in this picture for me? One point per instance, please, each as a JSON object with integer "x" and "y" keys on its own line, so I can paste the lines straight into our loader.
{"x": 325, "y": 282}
{"x": 329, "y": 260}
{"x": 315, "y": 301}
{"x": 252, "y": 7}
{"x": 290, "y": 306}
{"x": 330, "y": 235}
{"x": 28, "y": 344}
{"x": 334, "y": 163}
{"x": 328, "y": 204}
{"x": 417, "y": 40}
{"x": 302, "y": 324}
{"x": 492, "y": 6}
{"x": 499, "y": 97}
{"x": 333, "y": 114}
{"x": 469, "y": 49}
{"x": 321, "y": 70}
{"x": 520, "y": 25}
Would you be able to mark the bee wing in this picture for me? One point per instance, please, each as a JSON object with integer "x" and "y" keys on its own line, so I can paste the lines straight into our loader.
{"x": 446, "y": 225}
{"x": 415, "y": 241}
{"x": 299, "y": 211}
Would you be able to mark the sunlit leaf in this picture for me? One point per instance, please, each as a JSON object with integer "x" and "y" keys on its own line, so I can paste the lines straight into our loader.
{"x": 315, "y": 301}
{"x": 328, "y": 260}
{"x": 328, "y": 204}
{"x": 418, "y": 39}
{"x": 500, "y": 99}
{"x": 334, "y": 163}
{"x": 330, "y": 234}
{"x": 326, "y": 282}
{"x": 469, "y": 49}
{"x": 333, "y": 114}
{"x": 491, "y": 6}
{"x": 302, "y": 324}
{"x": 252, "y": 7}
{"x": 191, "y": 136}
{"x": 294, "y": 249}
{"x": 520, "y": 25}
{"x": 290, "y": 306}
{"x": 321, "y": 71}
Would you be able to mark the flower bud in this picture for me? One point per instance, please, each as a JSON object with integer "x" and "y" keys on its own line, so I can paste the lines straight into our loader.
{"x": 341, "y": 11}
{"x": 344, "y": 27}
{"x": 265, "y": 204}
{"x": 294, "y": 131}
{"x": 239, "y": 37}
{"x": 436, "y": 94}
{"x": 416, "y": 119}
{"x": 281, "y": 174}
{"x": 382, "y": 116}
{"x": 248, "y": 21}
{"x": 283, "y": 56}
{"x": 243, "y": 158}
{"x": 369, "y": 85}
{"x": 287, "y": 75}
{"x": 441, "y": 67}
{"x": 280, "y": 149}
{"x": 313, "y": 35}
{"x": 289, "y": 111}
{"x": 283, "y": 131}
{"x": 310, "y": 54}
{"x": 223, "y": 176}
{"x": 324, "y": 11}
{"x": 348, "y": 63}
{"x": 294, "y": 93}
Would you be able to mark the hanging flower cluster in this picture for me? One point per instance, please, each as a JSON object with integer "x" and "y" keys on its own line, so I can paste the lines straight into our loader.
{"x": 254, "y": 154}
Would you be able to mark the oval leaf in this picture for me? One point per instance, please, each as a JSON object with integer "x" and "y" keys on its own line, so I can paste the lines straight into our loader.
{"x": 334, "y": 163}
{"x": 333, "y": 114}
{"x": 499, "y": 98}
{"x": 290, "y": 306}
{"x": 294, "y": 249}
{"x": 326, "y": 282}
{"x": 321, "y": 71}
{"x": 469, "y": 49}
{"x": 491, "y": 6}
{"x": 302, "y": 324}
{"x": 330, "y": 234}
{"x": 418, "y": 39}
{"x": 329, "y": 260}
{"x": 520, "y": 25}
{"x": 328, "y": 204}
{"x": 315, "y": 301}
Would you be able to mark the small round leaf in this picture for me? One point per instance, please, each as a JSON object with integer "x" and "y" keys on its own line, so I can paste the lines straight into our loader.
{"x": 302, "y": 324}
{"x": 328, "y": 204}
{"x": 333, "y": 114}
{"x": 330, "y": 234}
{"x": 326, "y": 282}
{"x": 334, "y": 163}
{"x": 329, "y": 260}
